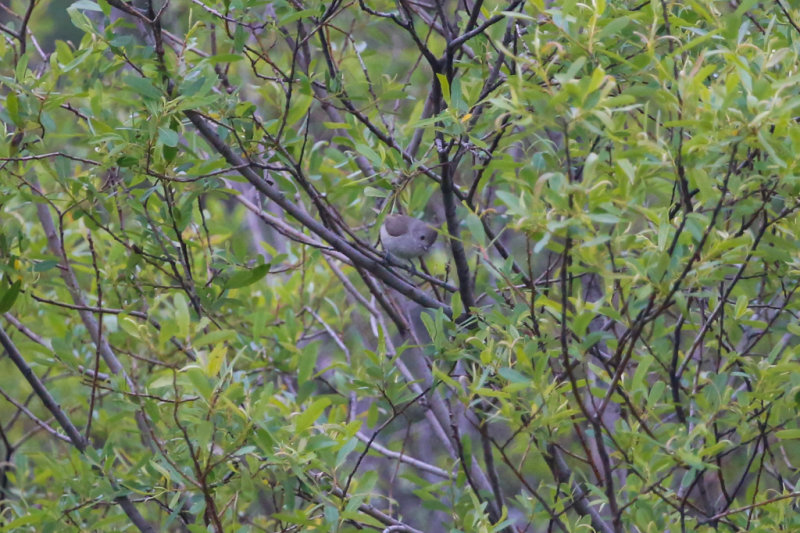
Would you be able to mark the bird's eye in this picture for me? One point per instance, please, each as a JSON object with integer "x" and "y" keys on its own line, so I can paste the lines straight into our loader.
{"x": 422, "y": 237}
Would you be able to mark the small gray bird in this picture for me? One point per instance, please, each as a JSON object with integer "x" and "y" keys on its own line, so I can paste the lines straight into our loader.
{"x": 406, "y": 237}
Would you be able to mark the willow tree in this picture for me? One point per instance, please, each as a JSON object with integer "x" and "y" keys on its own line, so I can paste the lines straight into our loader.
{"x": 202, "y": 332}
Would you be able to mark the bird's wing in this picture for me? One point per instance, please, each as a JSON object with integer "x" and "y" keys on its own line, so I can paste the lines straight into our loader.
{"x": 395, "y": 226}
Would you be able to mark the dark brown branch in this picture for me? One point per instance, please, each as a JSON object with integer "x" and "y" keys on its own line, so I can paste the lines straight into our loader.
{"x": 72, "y": 432}
{"x": 335, "y": 240}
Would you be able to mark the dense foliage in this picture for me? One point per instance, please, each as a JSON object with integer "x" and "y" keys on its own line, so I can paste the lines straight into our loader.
{"x": 200, "y": 332}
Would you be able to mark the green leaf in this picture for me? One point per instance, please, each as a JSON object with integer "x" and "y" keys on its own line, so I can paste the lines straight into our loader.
{"x": 199, "y": 380}
{"x": 457, "y": 98}
{"x": 12, "y": 107}
{"x": 331, "y": 514}
{"x": 225, "y": 58}
{"x": 307, "y": 362}
{"x": 370, "y": 154}
{"x": 788, "y": 434}
{"x": 476, "y": 229}
{"x": 300, "y": 105}
{"x": 80, "y": 21}
{"x": 741, "y": 306}
{"x": 168, "y": 137}
{"x": 244, "y": 278}
{"x": 445, "y": 88}
{"x": 44, "y": 266}
{"x": 87, "y": 5}
{"x": 295, "y": 16}
{"x": 182, "y": 317}
{"x": 311, "y": 413}
{"x": 9, "y": 296}
{"x": 143, "y": 87}
{"x": 513, "y": 376}
{"x": 239, "y": 38}
{"x": 214, "y": 337}
{"x": 345, "y": 450}
{"x": 215, "y": 360}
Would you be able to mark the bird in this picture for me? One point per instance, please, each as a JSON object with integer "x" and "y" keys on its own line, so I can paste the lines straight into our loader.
{"x": 406, "y": 237}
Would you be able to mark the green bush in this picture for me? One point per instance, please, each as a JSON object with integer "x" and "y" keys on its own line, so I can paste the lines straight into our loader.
{"x": 203, "y": 334}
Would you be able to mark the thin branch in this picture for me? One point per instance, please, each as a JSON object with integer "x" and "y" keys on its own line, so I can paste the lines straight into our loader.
{"x": 72, "y": 432}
